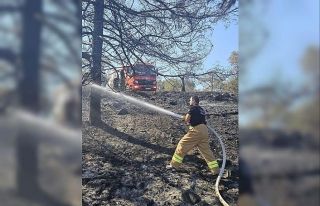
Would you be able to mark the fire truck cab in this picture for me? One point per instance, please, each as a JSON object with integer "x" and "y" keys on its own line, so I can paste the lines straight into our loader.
{"x": 139, "y": 77}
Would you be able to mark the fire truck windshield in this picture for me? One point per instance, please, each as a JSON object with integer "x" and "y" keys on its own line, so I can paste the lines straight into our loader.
{"x": 144, "y": 70}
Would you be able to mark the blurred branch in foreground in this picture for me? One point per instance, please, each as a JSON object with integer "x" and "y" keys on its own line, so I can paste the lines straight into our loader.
{"x": 38, "y": 55}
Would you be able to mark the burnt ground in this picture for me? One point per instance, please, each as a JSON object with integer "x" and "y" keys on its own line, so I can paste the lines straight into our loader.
{"x": 124, "y": 157}
{"x": 284, "y": 166}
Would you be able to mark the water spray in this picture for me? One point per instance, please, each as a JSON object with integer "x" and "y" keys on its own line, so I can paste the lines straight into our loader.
{"x": 167, "y": 112}
{"x": 135, "y": 101}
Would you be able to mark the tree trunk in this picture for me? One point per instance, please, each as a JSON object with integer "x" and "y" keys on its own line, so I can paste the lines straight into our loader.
{"x": 212, "y": 82}
{"x": 183, "y": 89}
{"x": 95, "y": 98}
{"x": 28, "y": 89}
{"x": 122, "y": 81}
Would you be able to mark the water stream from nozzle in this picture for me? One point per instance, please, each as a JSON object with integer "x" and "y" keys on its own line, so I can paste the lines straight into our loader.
{"x": 104, "y": 90}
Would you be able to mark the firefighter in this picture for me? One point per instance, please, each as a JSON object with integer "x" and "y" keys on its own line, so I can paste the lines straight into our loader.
{"x": 197, "y": 136}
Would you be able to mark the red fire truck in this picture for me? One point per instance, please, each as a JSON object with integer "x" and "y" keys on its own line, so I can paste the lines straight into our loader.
{"x": 139, "y": 77}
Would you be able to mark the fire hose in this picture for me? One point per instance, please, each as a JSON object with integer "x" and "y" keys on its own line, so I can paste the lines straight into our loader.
{"x": 223, "y": 202}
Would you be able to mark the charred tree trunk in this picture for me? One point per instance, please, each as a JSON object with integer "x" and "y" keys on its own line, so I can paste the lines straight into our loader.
{"x": 28, "y": 89}
{"x": 212, "y": 85}
{"x": 122, "y": 81}
{"x": 95, "y": 99}
{"x": 183, "y": 89}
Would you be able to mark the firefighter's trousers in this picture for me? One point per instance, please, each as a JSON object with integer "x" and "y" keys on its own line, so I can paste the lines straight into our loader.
{"x": 197, "y": 136}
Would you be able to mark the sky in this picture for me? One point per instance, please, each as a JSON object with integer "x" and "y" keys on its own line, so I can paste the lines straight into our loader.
{"x": 292, "y": 27}
{"x": 224, "y": 40}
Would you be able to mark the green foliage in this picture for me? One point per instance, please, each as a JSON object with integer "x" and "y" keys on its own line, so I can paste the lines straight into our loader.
{"x": 231, "y": 85}
{"x": 234, "y": 59}
{"x": 170, "y": 84}
{"x": 310, "y": 60}
{"x": 175, "y": 84}
{"x": 190, "y": 85}
{"x": 305, "y": 118}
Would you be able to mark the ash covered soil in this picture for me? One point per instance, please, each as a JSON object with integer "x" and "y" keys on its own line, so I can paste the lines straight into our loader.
{"x": 124, "y": 157}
